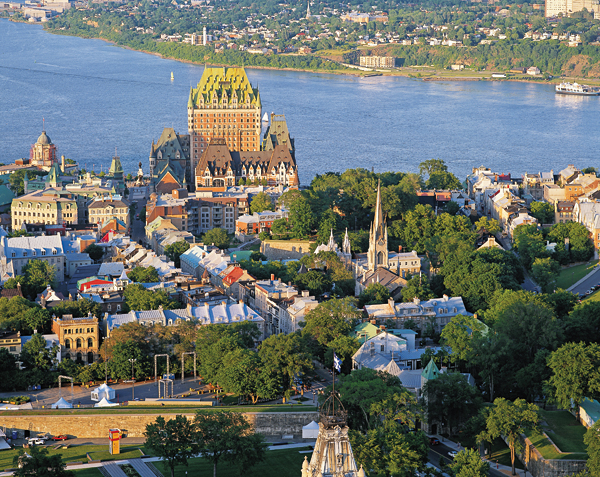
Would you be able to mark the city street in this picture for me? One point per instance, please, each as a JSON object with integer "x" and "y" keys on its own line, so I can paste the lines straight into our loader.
{"x": 591, "y": 280}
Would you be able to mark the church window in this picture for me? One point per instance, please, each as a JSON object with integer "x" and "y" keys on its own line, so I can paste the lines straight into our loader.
{"x": 380, "y": 258}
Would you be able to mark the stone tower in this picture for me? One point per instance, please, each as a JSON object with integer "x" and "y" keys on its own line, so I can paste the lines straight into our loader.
{"x": 377, "y": 256}
{"x": 333, "y": 455}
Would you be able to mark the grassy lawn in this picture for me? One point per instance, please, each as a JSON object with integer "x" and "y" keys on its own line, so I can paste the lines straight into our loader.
{"x": 76, "y": 454}
{"x": 280, "y": 463}
{"x": 570, "y": 276}
{"x": 501, "y": 453}
{"x": 161, "y": 410}
{"x": 564, "y": 430}
{"x": 593, "y": 297}
{"x": 93, "y": 472}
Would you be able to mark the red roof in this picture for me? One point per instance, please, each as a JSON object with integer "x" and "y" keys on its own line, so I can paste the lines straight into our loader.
{"x": 234, "y": 275}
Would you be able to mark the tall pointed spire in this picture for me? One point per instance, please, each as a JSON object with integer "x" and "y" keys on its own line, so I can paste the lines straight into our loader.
{"x": 378, "y": 221}
{"x": 377, "y": 256}
{"x": 331, "y": 244}
{"x": 346, "y": 249}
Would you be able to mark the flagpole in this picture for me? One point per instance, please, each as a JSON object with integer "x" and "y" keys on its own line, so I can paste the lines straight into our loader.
{"x": 333, "y": 373}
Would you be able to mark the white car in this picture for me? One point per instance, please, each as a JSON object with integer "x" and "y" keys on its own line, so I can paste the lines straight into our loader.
{"x": 36, "y": 441}
{"x": 452, "y": 454}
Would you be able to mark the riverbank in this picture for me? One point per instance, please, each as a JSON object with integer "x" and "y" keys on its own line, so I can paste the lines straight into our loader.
{"x": 413, "y": 72}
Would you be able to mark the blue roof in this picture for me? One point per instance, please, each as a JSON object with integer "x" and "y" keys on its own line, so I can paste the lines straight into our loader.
{"x": 592, "y": 408}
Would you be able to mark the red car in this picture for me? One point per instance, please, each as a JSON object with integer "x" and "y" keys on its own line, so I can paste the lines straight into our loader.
{"x": 60, "y": 438}
{"x": 434, "y": 442}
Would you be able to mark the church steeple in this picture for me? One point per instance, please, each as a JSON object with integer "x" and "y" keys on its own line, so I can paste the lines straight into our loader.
{"x": 377, "y": 256}
{"x": 346, "y": 249}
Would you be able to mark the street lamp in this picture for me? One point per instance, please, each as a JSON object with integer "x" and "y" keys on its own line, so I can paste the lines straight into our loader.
{"x": 132, "y": 360}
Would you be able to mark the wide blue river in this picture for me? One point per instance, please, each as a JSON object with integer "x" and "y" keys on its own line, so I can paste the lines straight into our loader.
{"x": 96, "y": 97}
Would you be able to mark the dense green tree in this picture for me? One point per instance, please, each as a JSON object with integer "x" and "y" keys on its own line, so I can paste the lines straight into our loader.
{"x": 543, "y": 212}
{"x": 417, "y": 287}
{"x": 315, "y": 281}
{"x": 592, "y": 443}
{"x": 451, "y": 400}
{"x": 573, "y": 242}
{"x": 144, "y": 275}
{"x": 225, "y": 436}
{"x": 174, "y": 251}
{"x": 37, "y": 463}
{"x": 94, "y": 251}
{"x": 285, "y": 357}
{"x": 563, "y": 303}
{"x": 509, "y": 420}
{"x": 121, "y": 367}
{"x": 331, "y": 319}
{"x": 242, "y": 373}
{"x": 300, "y": 218}
{"x": 575, "y": 374}
{"x": 529, "y": 241}
{"x": 35, "y": 354}
{"x": 37, "y": 275}
{"x": 280, "y": 229}
{"x": 468, "y": 463}
{"x": 217, "y": 237}
{"x": 139, "y": 298}
{"x": 362, "y": 389}
{"x": 374, "y": 294}
{"x": 261, "y": 202}
{"x": 476, "y": 276}
{"x": 344, "y": 347}
{"x": 545, "y": 271}
{"x": 485, "y": 223}
{"x": 174, "y": 441}
{"x": 583, "y": 324}
{"x": 390, "y": 450}
{"x": 459, "y": 334}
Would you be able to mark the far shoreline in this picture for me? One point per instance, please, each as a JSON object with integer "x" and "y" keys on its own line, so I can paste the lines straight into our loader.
{"x": 432, "y": 74}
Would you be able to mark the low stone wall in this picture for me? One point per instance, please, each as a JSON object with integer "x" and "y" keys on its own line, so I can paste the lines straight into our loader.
{"x": 540, "y": 467}
{"x": 133, "y": 425}
{"x": 285, "y": 249}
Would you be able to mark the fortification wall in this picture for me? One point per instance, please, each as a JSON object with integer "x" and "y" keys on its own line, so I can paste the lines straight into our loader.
{"x": 285, "y": 249}
{"x": 84, "y": 425}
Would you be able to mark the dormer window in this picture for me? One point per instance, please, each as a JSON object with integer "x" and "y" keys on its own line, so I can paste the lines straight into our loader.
{"x": 24, "y": 254}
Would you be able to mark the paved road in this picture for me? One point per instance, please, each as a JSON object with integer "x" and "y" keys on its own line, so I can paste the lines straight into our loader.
{"x": 124, "y": 392}
{"x": 137, "y": 229}
{"x": 592, "y": 280}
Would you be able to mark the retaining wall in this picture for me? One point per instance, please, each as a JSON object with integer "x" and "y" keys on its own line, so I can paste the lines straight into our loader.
{"x": 133, "y": 425}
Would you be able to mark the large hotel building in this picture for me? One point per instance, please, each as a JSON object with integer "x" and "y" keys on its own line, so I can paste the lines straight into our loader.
{"x": 224, "y": 105}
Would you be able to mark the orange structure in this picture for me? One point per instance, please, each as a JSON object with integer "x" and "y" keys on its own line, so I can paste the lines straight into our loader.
{"x": 114, "y": 441}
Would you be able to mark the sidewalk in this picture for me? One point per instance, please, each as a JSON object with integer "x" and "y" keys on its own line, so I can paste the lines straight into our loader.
{"x": 505, "y": 469}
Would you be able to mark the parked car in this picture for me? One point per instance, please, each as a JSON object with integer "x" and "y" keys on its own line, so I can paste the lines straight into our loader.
{"x": 452, "y": 454}
{"x": 434, "y": 442}
{"x": 36, "y": 441}
{"x": 60, "y": 438}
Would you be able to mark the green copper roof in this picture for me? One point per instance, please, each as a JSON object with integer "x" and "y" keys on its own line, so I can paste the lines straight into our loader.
{"x": 431, "y": 371}
{"x": 220, "y": 83}
{"x": 115, "y": 166}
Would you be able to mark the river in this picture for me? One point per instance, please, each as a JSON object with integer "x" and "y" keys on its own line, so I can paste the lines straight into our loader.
{"x": 95, "y": 97}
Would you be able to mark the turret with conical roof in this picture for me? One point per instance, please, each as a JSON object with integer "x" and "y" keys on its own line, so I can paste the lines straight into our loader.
{"x": 430, "y": 372}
